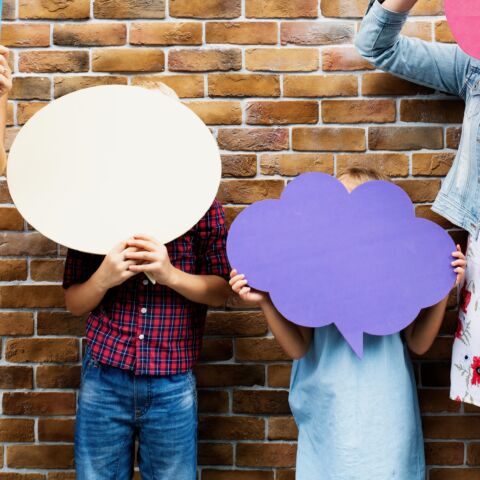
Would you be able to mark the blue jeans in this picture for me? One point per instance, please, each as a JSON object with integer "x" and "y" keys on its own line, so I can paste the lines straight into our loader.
{"x": 115, "y": 406}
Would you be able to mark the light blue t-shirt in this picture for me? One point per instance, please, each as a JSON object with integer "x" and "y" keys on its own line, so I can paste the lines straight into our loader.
{"x": 358, "y": 419}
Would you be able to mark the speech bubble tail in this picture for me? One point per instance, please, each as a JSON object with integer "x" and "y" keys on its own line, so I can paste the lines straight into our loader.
{"x": 354, "y": 338}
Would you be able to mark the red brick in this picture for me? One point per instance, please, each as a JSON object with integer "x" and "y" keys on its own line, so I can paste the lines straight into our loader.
{"x": 236, "y": 323}
{"x": 358, "y": 111}
{"x": 25, "y": 35}
{"x": 231, "y": 428}
{"x": 421, "y": 191}
{"x": 227, "y": 375}
{"x": 53, "y": 61}
{"x": 242, "y": 33}
{"x": 453, "y": 137}
{"x": 328, "y": 139}
{"x": 65, "y": 85}
{"x": 443, "y": 32}
{"x": 473, "y": 454}
{"x": 281, "y": 9}
{"x": 128, "y": 60}
{"x": 405, "y": 138}
{"x": 218, "y": 113}
{"x": 60, "y": 323}
{"x": 11, "y": 270}
{"x": 437, "y": 401}
{"x": 215, "y": 454}
{"x": 279, "y": 375}
{"x": 282, "y": 59}
{"x": 261, "y": 402}
{"x": 31, "y": 296}
{"x": 47, "y": 270}
{"x": 205, "y": 8}
{"x": 18, "y": 244}
{"x": 258, "y": 349}
{"x": 344, "y": 8}
{"x": 320, "y": 86}
{"x": 239, "y": 165}
{"x": 16, "y": 323}
{"x": 56, "y": 430}
{"x": 391, "y": 164}
{"x": 204, "y": 60}
{"x": 251, "y": 139}
{"x": 243, "y": 85}
{"x": 249, "y": 191}
{"x": 217, "y": 349}
{"x": 173, "y": 33}
{"x": 266, "y": 454}
{"x": 26, "y": 110}
{"x": 17, "y": 430}
{"x": 282, "y": 428}
{"x": 281, "y": 113}
{"x": 432, "y": 164}
{"x": 38, "y": 403}
{"x": 54, "y": 9}
{"x": 316, "y": 33}
{"x": 41, "y": 350}
{"x": 292, "y": 164}
{"x": 208, "y": 474}
{"x": 58, "y": 376}
{"x": 454, "y": 474}
{"x": 40, "y": 456}
{"x": 446, "y": 427}
{"x": 432, "y": 111}
{"x": 444, "y": 453}
{"x": 30, "y": 88}
{"x": 16, "y": 377}
{"x": 386, "y": 84}
{"x": 125, "y": 9}
{"x": 90, "y": 35}
{"x": 213, "y": 401}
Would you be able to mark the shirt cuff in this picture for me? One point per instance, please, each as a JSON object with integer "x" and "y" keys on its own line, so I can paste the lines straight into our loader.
{"x": 388, "y": 17}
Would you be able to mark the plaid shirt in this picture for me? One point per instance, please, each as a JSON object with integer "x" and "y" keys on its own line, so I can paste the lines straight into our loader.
{"x": 151, "y": 329}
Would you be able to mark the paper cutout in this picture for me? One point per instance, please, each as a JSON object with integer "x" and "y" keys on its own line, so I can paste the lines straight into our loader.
{"x": 99, "y": 165}
{"x": 463, "y": 17}
{"x": 360, "y": 260}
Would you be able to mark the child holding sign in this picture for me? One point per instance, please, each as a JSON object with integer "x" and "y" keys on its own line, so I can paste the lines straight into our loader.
{"x": 143, "y": 340}
{"x": 444, "y": 67}
{"x": 5, "y": 87}
{"x": 358, "y": 418}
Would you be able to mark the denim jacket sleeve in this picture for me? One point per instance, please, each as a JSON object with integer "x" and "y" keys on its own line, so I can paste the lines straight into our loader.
{"x": 440, "y": 66}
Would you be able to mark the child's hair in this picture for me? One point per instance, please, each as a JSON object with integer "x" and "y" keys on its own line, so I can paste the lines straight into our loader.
{"x": 166, "y": 90}
{"x": 359, "y": 175}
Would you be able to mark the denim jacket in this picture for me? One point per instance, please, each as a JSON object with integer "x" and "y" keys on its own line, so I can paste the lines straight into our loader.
{"x": 442, "y": 67}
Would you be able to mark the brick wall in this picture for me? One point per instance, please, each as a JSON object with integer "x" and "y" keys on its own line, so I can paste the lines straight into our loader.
{"x": 284, "y": 92}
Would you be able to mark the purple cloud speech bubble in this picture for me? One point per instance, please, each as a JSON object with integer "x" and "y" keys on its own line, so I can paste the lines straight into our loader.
{"x": 360, "y": 260}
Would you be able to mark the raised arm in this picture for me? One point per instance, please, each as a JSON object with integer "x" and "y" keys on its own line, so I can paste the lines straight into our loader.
{"x": 440, "y": 66}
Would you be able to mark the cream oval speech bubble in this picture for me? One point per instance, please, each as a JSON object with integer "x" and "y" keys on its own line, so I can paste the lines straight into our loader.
{"x": 101, "y": 164}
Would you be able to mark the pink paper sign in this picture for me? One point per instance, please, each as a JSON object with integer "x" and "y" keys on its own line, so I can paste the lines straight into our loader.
{"x": 463, "y": 17}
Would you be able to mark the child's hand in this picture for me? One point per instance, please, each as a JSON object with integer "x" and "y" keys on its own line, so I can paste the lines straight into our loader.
{"x": 115, "y": 268}
{"x": 246, "y": 294}
{"x": 460, "y": 264}
{"x": 150, "y": 256}
{"x": 5, "y": 72}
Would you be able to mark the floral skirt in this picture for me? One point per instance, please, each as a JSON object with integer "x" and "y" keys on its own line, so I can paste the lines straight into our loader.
{"x": 465, "y": 373}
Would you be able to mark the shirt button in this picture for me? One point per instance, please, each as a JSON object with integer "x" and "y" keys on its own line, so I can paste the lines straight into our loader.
{"x": 141, "y": 336}
{"x": 143, "y": 310}
{"x": 145, "y": 282}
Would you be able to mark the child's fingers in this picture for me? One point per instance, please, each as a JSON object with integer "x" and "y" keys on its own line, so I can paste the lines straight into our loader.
{"x": 233, "y": 273}
{"x": 459, "y": 270}
{"x": 245, "y": 290}
{"x": 239, "y": 285}
{"x": 459, "y": 262}
{"x": 236, "y": 279}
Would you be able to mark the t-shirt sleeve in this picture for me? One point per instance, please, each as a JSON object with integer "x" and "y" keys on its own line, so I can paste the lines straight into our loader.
{"x": 79, "y": 267}
{"x": 212, "y": 239}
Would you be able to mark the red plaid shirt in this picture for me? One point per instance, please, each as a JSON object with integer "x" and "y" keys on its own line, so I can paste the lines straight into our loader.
{"x": 151, "y": 329}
